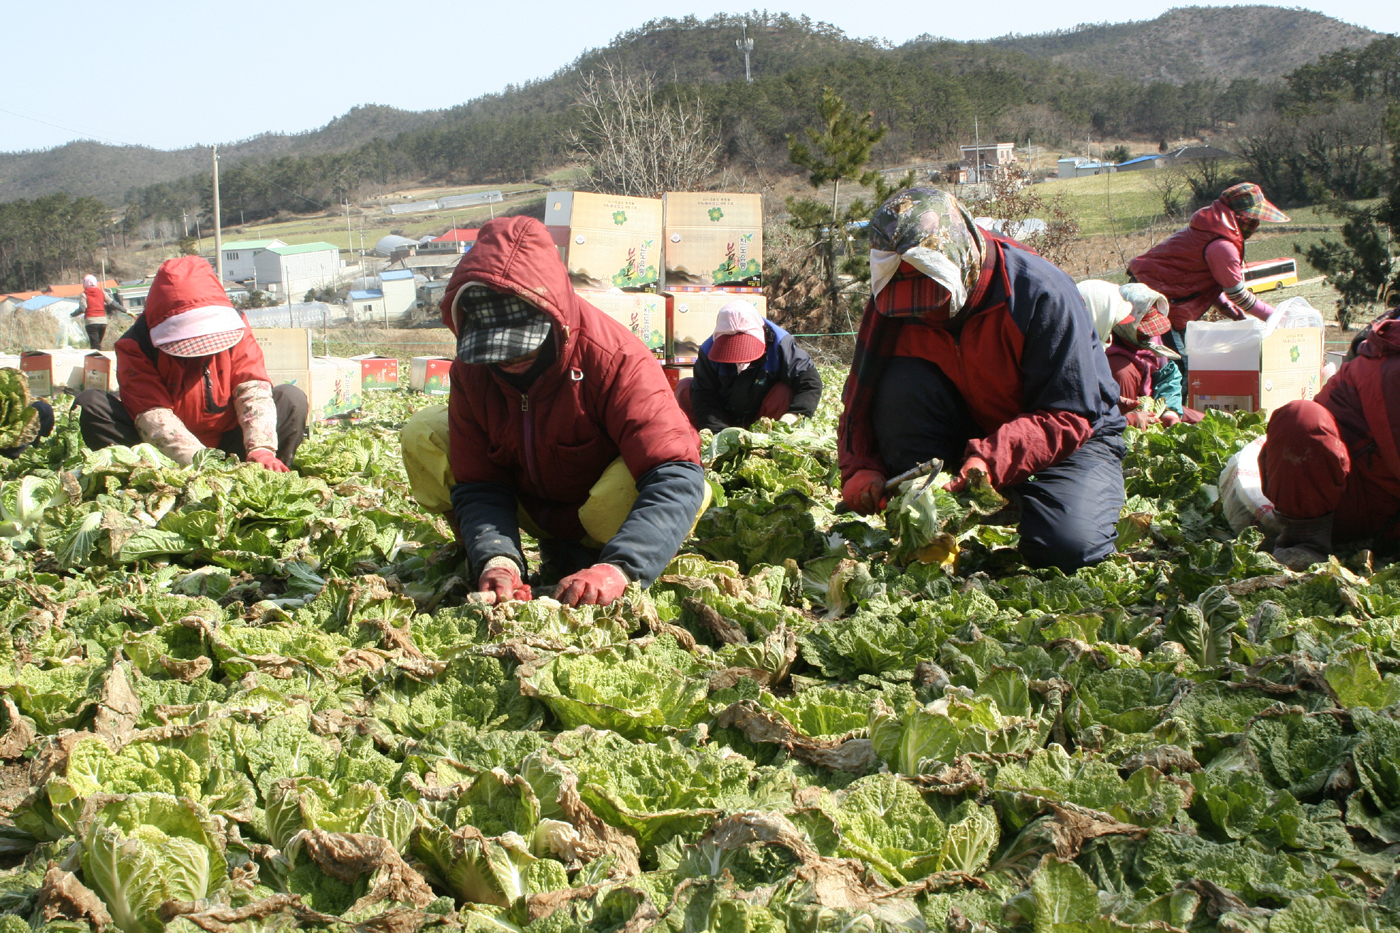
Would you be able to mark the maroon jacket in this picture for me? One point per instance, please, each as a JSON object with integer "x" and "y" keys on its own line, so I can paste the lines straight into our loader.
{"x": 1364, "y": 398}
{"x": 604, "y": 397}
{"x": 1177, "y": 266}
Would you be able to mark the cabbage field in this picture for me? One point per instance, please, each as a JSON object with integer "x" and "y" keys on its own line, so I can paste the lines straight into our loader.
{"x": 236, "y": 700}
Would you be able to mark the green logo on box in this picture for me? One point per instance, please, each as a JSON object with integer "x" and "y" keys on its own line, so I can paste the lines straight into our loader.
{"x": 715, "y": 214}
{"x": 619, "y": 217}
{"x": 1293, "y": 353}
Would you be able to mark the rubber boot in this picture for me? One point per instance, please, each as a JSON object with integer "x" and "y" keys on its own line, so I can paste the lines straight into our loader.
{"x": 1304, "y": 542}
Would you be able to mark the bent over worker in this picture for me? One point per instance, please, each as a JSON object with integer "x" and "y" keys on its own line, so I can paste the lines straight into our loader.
{"x": 559, "y": 421}
{"x": 978, "y": 352}
{"x": 1331, "y": 466}
{"x": 1202, "y": 266}
{"x": 750, "y": 368}
{"x": 192, "y": 377}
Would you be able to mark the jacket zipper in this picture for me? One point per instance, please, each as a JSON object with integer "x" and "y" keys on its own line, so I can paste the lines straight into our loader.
{"x": 530, "y": 467}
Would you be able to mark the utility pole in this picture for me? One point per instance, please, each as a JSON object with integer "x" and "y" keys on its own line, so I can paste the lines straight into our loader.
{"x": 746, "y": 46}
{"x": 349, "y": 236}
{"x": 218, "y": 225}
{"x": 977, "y": 146}
{"x": 185, "y": 220}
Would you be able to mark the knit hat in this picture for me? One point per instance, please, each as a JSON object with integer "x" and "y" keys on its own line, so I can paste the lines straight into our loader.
{"x": 187, "y": 311}
{"x": 1248, "y": 200}
{"x": 738, "y": 334}
{"x": 497, "y": 326}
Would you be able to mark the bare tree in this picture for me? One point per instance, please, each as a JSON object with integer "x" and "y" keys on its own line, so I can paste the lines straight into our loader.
{"x": 637, "y": 143}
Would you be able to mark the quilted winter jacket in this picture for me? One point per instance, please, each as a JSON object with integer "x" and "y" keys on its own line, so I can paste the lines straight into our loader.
{"x": 604, "y": 396}
{"x": 200, "y": 390}
{"x": 1364, "y": 398}
{"x": 1027, "y": 361}
{"x": 1177, "y": 266}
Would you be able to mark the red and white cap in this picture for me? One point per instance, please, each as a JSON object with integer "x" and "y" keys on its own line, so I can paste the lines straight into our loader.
{"x": 187, "y": 311}
{"x": 739, "y": 334}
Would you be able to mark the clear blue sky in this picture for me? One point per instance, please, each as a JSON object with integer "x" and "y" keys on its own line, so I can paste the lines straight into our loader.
{"x": 173, "y": 74}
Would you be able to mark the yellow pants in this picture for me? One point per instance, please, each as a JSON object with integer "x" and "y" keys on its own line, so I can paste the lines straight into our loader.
{"x": 425, "y": 458}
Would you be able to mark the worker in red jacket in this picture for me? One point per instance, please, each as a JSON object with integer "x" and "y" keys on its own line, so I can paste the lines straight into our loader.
{"x": 193, "y": 377}
{"x": 559, "y": 421}
{"x": 96, "y": 303}
{"x": 1331, "y": 466}
{"x": 978, "y": 352}
{"x": 1202, "y": 267}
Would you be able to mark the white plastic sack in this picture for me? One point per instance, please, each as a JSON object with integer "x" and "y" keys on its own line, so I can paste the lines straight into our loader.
{"x": 1294, "y": 312}
{"x": 1216, "y": 345}
{"x": 1242, "y": 492}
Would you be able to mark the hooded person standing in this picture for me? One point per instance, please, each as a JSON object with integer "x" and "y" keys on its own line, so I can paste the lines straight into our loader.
{"x": 193, "y": 377}
{"x": 559, "y": 421}
{"x": 1331, "y": 466}
{"x": 976, "y": 351}
{"x": 1202, "y": 266}
{"x": 749, "y": 369}
{"x": 96, "y": 303}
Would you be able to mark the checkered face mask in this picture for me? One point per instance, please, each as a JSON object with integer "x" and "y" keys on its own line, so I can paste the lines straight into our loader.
{"x": 497, "y": 326}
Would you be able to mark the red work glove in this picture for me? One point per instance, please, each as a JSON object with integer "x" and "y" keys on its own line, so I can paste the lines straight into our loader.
{"x": 959, "y": 483}
{"x": 265, "y": 457}
{"x": 864, "y": 492}
{"x": 1170, "y": 418}
{"x": 503, "y": 582}
{"x": 1140, "y": 419}
{"x": 598, "y": 585}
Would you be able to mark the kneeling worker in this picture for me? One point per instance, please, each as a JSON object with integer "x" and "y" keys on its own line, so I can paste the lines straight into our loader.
{"x": 560, "y": 421}
{"x": 751, "y": 368}
{"x": 980, "y": 353}
{"x": 1331, "y": 466}
{"x": 193, "y": 377}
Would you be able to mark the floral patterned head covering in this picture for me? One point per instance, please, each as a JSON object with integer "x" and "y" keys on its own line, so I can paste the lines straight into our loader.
{"x": 928, "y": 229}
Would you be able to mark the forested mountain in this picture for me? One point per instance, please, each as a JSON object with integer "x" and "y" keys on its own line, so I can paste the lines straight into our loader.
{"x": 110, "y": 173}
{"x": 927, "y": 90}
{"x": 1197, "y": 43}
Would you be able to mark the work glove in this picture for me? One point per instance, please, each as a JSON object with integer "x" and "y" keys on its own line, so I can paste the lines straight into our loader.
{"x": 789, "y": 419}
{"x": 959, "y": 483}
{"x": 864, "y": 492}
{"x": 1261, "y": 309}
{"x": 598, "y": 585}
{"x": 266, "y": 458}
{"x": 1170, "y": 418}
{"x": 1140, "y": 419}
{"x": 501, "y": 579}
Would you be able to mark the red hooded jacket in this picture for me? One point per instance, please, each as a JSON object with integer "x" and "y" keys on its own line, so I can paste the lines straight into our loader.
{"x": 1364, "y": 398}
{"x": 198, "y": 389}
{"x": 1177, "y": 266}
{"x": 604, "y": 396}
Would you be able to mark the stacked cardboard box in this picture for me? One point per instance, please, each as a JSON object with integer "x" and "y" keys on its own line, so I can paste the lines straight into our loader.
{"x": 1233, "y": 366}
{"x": 333, "y": 385}
{"x": 714, "y": 239}
{"x": 690, "y": 321}
{"x": 643, "y": 313}
{"x": 51, "y": 372}
{"x": 606, "y": 241}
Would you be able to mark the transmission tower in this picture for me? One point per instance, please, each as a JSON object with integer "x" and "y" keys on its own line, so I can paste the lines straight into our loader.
{"x": 746, "y": 46}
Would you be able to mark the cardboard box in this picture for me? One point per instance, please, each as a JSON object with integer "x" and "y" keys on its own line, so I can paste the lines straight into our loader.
{"x": 38, "y": 366}
{"x": 285, "y": 349}
{"x": 644, "y": 314}
{"x": 332, "y": 386}
{"x": 606, "y": 241}
{"x": 100, "y": 372}
{"x": 378, "y": 372}
{"x": 1233, "y": 367}
{"x": 690, "y": 321}
{"x": 714, "y": 238}
{"x": 430, "y": 375}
